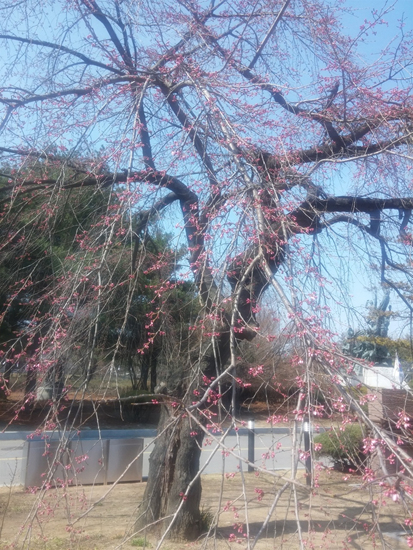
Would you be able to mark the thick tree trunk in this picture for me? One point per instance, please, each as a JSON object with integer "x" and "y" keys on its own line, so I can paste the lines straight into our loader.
{"x": 174, "y": 462}
{"x": 5, "y": 381}
{"x": 154, "y": 373}
{"x": 173, "y": 465}
{"x": 148, "y": 365}
{"x": 132, "y": 373}
{"x": 145, "y": 366}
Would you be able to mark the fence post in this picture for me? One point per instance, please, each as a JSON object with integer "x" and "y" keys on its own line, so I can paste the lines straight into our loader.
{"x": 251, "y": 444}
{"x": 307, "y": 450}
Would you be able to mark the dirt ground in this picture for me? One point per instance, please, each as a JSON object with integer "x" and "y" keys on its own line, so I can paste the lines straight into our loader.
{"x": 336, "y": 515}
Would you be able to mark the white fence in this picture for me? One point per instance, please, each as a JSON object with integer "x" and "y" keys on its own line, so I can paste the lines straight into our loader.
{"x": 82, "y": 461}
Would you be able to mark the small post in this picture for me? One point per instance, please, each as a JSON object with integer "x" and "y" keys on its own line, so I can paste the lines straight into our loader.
{"x": 251, "y": 444}
{"x": 307, "y": 450}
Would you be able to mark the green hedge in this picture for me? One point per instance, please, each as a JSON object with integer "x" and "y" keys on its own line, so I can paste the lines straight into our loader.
{"x": 344, "y": 447}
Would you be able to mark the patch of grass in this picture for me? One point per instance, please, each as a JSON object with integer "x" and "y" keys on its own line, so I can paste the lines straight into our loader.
{"x": 55, "y": 543}
{"x": 206, "y": 518}
{"x": 141, "y": 543}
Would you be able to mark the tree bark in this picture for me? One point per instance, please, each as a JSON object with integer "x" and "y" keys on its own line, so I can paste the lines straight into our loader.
{"x": 174, "y": 461}
{"x": 148, "y": 365}
{"x": 173, "y": 465}
{"x": 5, "y": 381}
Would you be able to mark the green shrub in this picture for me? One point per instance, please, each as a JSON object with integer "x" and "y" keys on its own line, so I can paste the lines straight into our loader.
{"x": 344, "y": 447}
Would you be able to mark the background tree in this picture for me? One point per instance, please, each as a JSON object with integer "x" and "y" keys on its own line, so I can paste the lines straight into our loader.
{"x": 34, "y": 250}
{"x": 43, "y": 261}
{"x": 156, "y": 322}
{"x": 261, "y": 134}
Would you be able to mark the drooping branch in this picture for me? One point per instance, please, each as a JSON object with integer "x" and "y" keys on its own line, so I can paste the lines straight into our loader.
{"x": 188, "y": 126}
{"x": 200, "y": 20}
{"x": 323, "y": 118}
{"x": 77, "y": 92}
{"x": 62, "y": 49}
{"x": 385, "y": 260}
{"x": 342, "y": 145}
{"x": 268, "y": 35}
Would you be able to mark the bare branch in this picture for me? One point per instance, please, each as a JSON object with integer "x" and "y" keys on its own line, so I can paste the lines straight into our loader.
{"x": 60, "y": 48}
{"x": 268, "y": 35}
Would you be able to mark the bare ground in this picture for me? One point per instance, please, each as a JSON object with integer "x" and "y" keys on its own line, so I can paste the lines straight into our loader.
{"x": 335, "y": 515}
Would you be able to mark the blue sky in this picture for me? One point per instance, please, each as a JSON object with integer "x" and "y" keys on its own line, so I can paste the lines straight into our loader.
{"x": 350, "y": 271}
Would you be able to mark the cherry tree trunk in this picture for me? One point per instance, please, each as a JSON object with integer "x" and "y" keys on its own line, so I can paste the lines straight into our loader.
{"x": 173, "y": 491}
{"x": 173, "y": 465}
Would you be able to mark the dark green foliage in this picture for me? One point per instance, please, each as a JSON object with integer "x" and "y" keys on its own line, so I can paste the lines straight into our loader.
{"x": 38, "y": 232}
